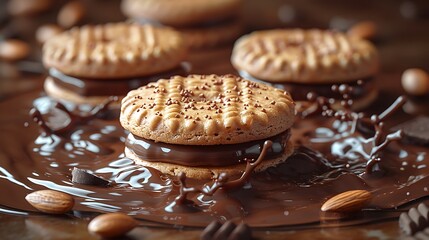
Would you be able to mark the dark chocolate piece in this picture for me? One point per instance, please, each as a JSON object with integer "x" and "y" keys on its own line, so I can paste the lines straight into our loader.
{"x": 414, "y": 221}
{"x": 416, "y": 131}
{"x": 217, "y": 231}
{"x": 82, "y": 176}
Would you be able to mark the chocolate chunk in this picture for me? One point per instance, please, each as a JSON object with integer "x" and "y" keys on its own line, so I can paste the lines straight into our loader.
{"x": 415, "y": 220}
{"x": 224, "y": 231}
{"x": 242, "y": 231}
{"x": 228, "y": 230}
{"x": 416, "y": 131}
{"x": 423, "y": 210}
{"x": 84, "y": 177}
{"x": 407, "y": 225}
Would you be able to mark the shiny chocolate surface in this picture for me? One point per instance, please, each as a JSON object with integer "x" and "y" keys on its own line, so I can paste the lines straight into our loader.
{"x": 108, "y": 87}
{"x": 205, "y": 156}
{"x": 292, "y": 193}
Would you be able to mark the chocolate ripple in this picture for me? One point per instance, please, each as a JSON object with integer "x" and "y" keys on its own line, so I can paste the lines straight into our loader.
{"x": 286, "y": 197}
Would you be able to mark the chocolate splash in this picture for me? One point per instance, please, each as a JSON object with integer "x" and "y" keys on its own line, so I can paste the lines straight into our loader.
{"x": 221, "y": 182}
{"x": 291, "y": 193}
{"x": 74, "y": 119}
{"x": 380, "y": 139}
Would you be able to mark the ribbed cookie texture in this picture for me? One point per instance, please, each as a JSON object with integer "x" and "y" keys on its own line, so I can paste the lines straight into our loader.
{"x": 181, "y": 12}
{"x": 304, "y": 56}
{"x": 116, "y": 50}
{"x": 206, "y": 110}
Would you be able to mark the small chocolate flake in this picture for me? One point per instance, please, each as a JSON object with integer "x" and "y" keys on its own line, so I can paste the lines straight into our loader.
{"x": 273, "y": 102}
{"x": 415, "y": 220}
{"x": 228, "y": 230}
{"x": 84, "y": 177}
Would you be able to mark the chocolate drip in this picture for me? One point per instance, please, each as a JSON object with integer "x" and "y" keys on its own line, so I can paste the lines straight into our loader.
{"x": 378, "y": 144}
{"x": 222, "y": 181}
{"x": 74, "y": 119}
{"x": 379, "y": 141}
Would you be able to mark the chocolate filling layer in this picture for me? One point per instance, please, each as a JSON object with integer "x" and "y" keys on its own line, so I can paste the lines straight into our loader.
{"x": 299, "y": 91}
{"x": 108, "y": 87}
{"x": 210, "y": 156}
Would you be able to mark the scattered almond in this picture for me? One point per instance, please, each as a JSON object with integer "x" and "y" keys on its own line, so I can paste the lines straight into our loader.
{"x": 415, "y": 82}
{"x": 50, "y": 201}
{"x": 349, "y": 201}
{"x": 13, "y": 50}
{"x": 363, "y": 30}
{"x": 112, "y": 225}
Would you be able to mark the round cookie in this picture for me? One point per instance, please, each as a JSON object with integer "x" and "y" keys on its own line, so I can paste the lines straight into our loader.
{"x": 181, "y": 12}
{"x": 304, "y": 56}
{"x": 112, "y": 51}
{"x": 206, "y": 110}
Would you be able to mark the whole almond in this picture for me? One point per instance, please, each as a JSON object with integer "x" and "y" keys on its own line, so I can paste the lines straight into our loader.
{"x": 363, "y": 30}
{"x": 112, "y": 225}
{"x": 50, "y": 201}
{"x": 349, "y": 201}
{"x": 415, "y": 82}
{"x": 28, "y": 7}
{"x": 71, "y": 14}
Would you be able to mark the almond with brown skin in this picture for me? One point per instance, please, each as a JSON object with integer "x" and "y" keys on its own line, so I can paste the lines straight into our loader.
{"x": 50, "y": 201}
{"x": 349, "y": 201}
{"x": 112, "y": 225}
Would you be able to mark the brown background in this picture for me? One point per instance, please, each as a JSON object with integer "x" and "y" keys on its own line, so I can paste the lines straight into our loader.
{"x": 402, "y": 39}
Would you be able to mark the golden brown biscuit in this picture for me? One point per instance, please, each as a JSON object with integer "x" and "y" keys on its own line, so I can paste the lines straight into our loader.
{"x": 208, "y": 172}
{"x": 116, "y": 50}
{"x": 206, "y": 110}
{"x": 304, "y": 56}
{"x": 180, "y": 12}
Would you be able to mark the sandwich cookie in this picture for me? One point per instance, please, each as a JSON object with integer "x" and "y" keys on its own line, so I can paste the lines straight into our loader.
{"x": 302, "y": 61}
{"x": 202, "y": 23}
{"x": 204, "y": 125}
{"x": 89, "y": 64}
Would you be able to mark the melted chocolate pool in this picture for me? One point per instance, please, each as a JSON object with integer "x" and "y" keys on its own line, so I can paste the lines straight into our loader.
{"x": 328, "y": 160}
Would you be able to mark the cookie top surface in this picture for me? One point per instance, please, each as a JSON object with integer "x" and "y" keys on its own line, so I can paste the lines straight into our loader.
{"x": 206, "y": 110}
{"x": 304, "y": 56}
{"x": 181, "y": 12}
{"x": 115, "y": 50}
